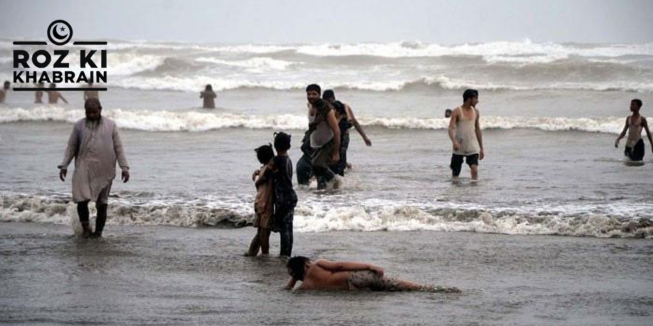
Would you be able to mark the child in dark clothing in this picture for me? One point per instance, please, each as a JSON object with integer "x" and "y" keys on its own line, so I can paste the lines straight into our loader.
{"x": 285, "y": 196}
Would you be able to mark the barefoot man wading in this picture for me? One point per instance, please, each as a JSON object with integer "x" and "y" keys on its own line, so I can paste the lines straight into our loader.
{"x": 95, "y": 144}
{"x": 466, "y": 136}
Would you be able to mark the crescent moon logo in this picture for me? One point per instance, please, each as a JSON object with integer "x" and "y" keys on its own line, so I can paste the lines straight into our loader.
{"x": 56, "y": 34}
{"x": 54, "y": 30}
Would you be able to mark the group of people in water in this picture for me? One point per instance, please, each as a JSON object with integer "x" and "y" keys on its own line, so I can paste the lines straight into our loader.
{"x": 53, "y": 95}
{"x": 96, "y": 147}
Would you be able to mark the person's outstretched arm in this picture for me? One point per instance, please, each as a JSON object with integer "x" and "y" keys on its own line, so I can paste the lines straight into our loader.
{"x": 359, "y": 128}
{"x": 452, "y": 129}
{"x": 479, "y": 134}
{"x": 623, "y": 133}
{"x": 648, "y": 133}
{"x": 342, "y": 266}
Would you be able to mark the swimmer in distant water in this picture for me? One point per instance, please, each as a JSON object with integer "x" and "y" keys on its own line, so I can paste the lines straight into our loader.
{"x": 4, "y": 90}
{"x": 447, "y": 113}
{"x": 54, "y": 96}
{"x": 209, "y": 97}
{"x": 330, "y": 275}
{"x": 38, "y": 96}
{"x": 634, "y": 123}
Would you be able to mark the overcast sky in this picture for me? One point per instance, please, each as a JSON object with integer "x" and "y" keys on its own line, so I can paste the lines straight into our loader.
{"x": 336, "y": 21}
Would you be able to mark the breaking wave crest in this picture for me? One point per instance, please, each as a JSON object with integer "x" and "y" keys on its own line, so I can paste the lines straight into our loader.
{"x": 316, "y": 217}
{"x": 146, "y": 120}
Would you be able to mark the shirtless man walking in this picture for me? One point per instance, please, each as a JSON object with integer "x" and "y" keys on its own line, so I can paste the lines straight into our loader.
{"x": 634, "y": 124}
{"x": 466, "y": 136}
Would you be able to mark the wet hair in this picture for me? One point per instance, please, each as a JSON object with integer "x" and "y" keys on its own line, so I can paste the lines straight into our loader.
{"x": 339, "y": 107}
{"x": 7, "y": 83}
{"x": 53, "y": 85}
{"x": 297, "y": 266}
{"x": 281, "y": 141}
{"x": 208, "y": 88}
{"x": 638, "y": 102}
{"x": 329, "y": 95}
{"x": 264, "y": 153}
{"x": 470, "y": 93}
{"x": 93, "y": 100}
{"x": 314, "y": 88}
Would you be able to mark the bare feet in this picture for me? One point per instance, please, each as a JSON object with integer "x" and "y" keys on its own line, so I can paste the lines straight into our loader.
{"x": 86, "y": 234}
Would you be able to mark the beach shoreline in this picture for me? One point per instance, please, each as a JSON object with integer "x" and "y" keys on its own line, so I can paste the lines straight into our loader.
{"x": 156, "y": 275}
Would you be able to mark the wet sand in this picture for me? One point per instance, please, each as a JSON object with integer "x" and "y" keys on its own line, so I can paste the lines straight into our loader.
{"x": 188, "y": 276}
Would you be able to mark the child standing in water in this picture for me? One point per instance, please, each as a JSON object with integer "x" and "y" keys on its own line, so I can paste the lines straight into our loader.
{"x": 264, "y": 202}
{"x": 285, "y": 196}
{"x": 209, "y": 97}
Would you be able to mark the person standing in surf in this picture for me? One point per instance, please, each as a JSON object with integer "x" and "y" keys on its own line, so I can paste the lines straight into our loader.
{"x": 264, "y": 202}
{"x": 209, "y": 97}
{"x": 4, "y": 90}
{"x": 346, "y": 119}
{"x": 285, "y": 198}
{"x": 466, "y": 136}
{"x": 635, "y": 148}
{"x": 304, "y": 165}
{"x": 54, "y": 96}
{"x": 38, "y": 95}
{"x": 321, "y": 143}
{"x": 96, "y": 146}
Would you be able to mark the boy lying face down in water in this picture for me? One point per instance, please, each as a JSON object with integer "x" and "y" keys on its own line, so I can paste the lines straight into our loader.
{"x": 329, "y": 275}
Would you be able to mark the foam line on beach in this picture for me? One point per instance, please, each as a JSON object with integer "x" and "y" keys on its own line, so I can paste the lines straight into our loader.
{"x": 202, "y": 121}
{"x": 590, "y": 220}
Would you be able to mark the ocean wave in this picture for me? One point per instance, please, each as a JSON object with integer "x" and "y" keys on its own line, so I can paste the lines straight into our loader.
{"x": 193, "y": 84}
{"x": 258, "y": 64}
{"x": 393, "y": 49}
{"x": 202, "y": 121}
{"x": 367, "y": 216}
{"x": 487, "y": 50}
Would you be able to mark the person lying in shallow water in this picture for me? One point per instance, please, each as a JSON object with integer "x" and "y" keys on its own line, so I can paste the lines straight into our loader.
{"x": 330, "y": 275}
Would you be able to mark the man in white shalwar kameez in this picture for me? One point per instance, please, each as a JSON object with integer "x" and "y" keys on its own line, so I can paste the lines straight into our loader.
{"x": 95, "y": 144}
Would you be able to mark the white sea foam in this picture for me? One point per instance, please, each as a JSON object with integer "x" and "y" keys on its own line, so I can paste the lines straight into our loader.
{"x": 202, "y": 121}
{"x": 366, "y": 216}
{"x": 192, "y": 84}
{"x": 259, "y": 64}
{"x": 487, "y": 50}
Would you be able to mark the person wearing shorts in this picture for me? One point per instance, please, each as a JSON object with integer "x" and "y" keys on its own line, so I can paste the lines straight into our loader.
{"x": 466, "y": 136}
